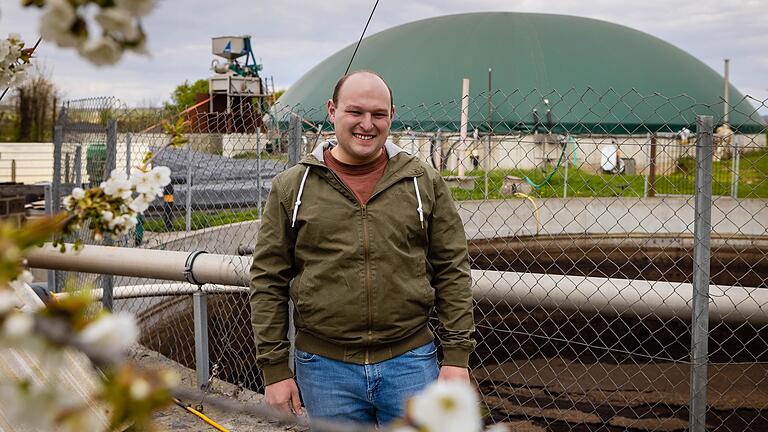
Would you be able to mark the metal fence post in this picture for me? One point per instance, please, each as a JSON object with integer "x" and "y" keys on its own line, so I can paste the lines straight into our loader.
{"x": 565, "y": 178}
{"x": 294, "y": 140}
{"x": 701, "y": 256}
{"x": 258, "y": 173}
{"x": 58, "y": 139}
{"x": 79, "y": 166}
{"x": 652, "y": 168}
{"x": 52, "y": 285}
{"x": 188, "y": 198}
{"x": 735, "y": 171}
{"x": 202, "y": 361}
{"x": 111, "y": 147}
{"x": 128, "y": 154}
{"x": 107, "y": 280}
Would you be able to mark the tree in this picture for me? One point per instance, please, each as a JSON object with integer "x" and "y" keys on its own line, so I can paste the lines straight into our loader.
{"x": 35, "y": 106}
{"x": 185, "y": 95}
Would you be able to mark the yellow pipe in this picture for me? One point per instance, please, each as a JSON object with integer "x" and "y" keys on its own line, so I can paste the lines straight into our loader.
{"x": 535, "y": 208}
{"x": 204, "y": 417}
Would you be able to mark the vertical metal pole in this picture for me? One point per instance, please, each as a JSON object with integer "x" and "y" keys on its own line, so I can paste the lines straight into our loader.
{"x": 490, "y": 133}
{"x": 52, "y": 285}
{"x": 107, "y": 280}
{"x": 294, "y": 140}
{"x": 13, "y": 171}
{"x": 567, "y": 156}
{"x": 645, "y": 186}
{"x": 202, "y": 361}
{"x": 258, "y": 173}
{"x": 67, "y": 169}
{"x": 726, "y": 108}
{"x": 111, "y": 147}
{"x": 735, "y": 170}
{"x": 188, "y": 200}
{"x": 128, "y": 139}
{"x": 79, "y": 165}
{"x": 58, "y": 139}
{"x": 652, "y": 168}
{"x": 701, "y": 256}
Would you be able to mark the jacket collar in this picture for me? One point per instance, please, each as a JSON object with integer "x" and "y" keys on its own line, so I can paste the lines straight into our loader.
{"x": 406, "y": 166}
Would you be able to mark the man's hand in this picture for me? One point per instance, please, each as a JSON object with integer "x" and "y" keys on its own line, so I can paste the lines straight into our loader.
{"x": 283, "y": 395}
{"x": 453, "y": 373}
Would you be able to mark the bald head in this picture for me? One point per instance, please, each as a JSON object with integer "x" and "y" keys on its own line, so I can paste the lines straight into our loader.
{"x": 360, "y": 75}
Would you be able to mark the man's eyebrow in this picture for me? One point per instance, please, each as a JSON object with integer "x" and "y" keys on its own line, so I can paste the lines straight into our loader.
{"x": 359, "y": 108}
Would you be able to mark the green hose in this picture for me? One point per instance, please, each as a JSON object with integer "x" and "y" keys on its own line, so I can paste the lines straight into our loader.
{"x": 549, "y": 177}
{"x": 574, "y": 145}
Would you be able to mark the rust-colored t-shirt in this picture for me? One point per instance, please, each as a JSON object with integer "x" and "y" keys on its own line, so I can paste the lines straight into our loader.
{"x": 360, "y": 178}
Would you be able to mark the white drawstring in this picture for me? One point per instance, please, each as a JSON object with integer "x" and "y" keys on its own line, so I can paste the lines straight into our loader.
{"x": 420, "y": 210}
{"x": 298, "y": 198}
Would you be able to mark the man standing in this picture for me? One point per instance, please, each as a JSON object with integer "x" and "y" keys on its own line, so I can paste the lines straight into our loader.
{"x": 372, "y": 240}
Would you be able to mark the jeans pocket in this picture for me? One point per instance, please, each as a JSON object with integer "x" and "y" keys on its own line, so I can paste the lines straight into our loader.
{"x": 304, "y": 357}
{"x": 425, "y": 351}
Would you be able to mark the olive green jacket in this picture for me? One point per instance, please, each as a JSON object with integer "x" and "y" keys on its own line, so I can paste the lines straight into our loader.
{"x": 365, "y": 277}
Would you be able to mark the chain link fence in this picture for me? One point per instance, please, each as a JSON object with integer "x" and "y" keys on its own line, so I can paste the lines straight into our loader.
{"x": 579, "y": 210}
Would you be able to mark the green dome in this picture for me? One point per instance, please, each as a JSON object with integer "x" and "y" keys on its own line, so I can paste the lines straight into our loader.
{"x": 597, "y": 77}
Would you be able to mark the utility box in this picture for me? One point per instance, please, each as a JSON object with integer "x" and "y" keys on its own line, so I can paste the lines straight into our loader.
{"x": 235, "y": 85}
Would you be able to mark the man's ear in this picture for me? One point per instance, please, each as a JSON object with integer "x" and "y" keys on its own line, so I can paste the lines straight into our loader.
{"x": 331, "y": 110}
{"x": 392, "y": 115}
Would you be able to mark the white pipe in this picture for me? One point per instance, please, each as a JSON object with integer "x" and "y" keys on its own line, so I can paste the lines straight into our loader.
{"x": 162, "y": 290}
{"x": 619, "y": 296}
{"x": 461, "y": 153}
{"x": 145, "y": 263}
{"x": 640, "y": 298}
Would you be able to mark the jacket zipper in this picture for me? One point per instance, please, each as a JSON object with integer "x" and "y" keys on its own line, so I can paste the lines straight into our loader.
{"x": 366, "y": 262}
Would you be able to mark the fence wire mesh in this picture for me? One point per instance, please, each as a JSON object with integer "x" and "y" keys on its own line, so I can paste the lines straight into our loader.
{"x": 579, "y": 214}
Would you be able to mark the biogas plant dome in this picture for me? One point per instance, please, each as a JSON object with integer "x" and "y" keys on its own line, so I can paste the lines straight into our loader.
{"x": 580, "y": 75}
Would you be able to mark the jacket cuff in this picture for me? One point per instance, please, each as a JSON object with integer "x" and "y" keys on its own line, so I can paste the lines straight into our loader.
{"x": 276, "y": 373}
{"x": 455, "y": 356}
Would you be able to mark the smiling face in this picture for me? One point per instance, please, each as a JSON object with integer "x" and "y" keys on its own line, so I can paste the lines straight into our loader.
{"x": 361, "y": 117}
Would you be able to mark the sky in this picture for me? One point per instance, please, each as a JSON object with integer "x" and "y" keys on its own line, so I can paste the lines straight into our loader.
{"x": 291, "y": 36}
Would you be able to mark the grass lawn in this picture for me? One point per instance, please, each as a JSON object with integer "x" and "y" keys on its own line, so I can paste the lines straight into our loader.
{"x": 201, "y": 219}
{"x": 753, "y": 181}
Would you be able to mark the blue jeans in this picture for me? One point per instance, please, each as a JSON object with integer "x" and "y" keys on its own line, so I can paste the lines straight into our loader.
{"x": 374, "y": 393}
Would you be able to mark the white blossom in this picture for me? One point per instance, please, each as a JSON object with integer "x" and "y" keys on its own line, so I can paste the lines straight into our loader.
{"x": 8, "y": 301}
{"x": 117, "y": 187}
{"x": 26, "y": 277}
{"x": 140, "y": 389}
{"x": 141, "y": 203}
{"x": 101, "y": 51}
{"x": 118, "y": 20}
{"x": 143, "y": 182}
{"x": 161, "y": 176}
{"x": 446, "y": 406}
{"x": 111, "y": 335}
{"x": 18, "y": 324}
{"x": 118, "y": 174}
{"x": 107, "y": 216}
{"x": 56, "y": 23}
{"x": 137, "y": 7}
{"x": 22, "y": 405}
{"x": 78, "y": 193}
